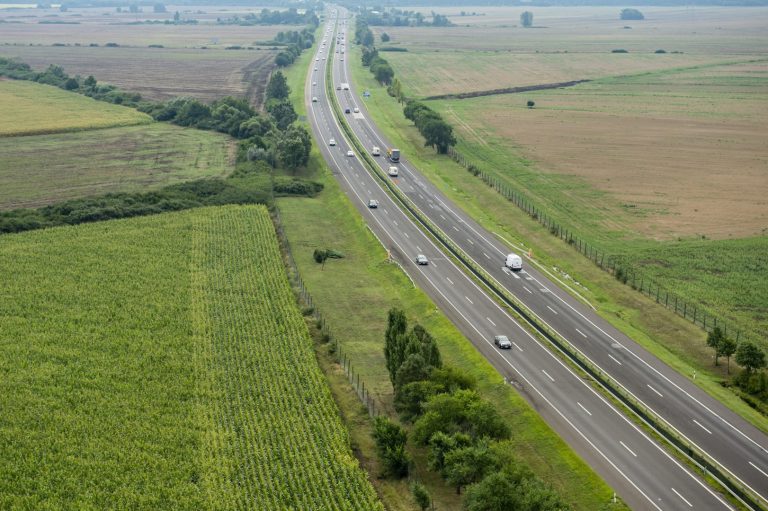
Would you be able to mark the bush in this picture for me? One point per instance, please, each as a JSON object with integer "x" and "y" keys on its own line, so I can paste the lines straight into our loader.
{"x": 390, "y": 445}
{"x": 631, "y": 14}
{"x": 619, "y": 50}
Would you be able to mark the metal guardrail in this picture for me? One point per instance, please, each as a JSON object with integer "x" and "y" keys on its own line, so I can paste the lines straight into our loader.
{"x": 657, "y": 423}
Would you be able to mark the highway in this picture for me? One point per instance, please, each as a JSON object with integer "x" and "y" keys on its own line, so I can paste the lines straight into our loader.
{"x": 643, "y": 473}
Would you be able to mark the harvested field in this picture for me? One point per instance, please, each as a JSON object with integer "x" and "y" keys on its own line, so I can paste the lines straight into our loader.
{"x": 38, "y": 170}
{"x": 160, "y": 73}
{"x": 429, "y": 73}
{"x": 679, "y": 154}
{"x": 117, "y": 28}
{"x": 569, "y": 43}
{"x": 30, "y": 108}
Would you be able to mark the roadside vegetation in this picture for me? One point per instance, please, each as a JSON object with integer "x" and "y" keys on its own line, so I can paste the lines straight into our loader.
{"x": 366, "y": 282}
{"x": 179, "y": 366}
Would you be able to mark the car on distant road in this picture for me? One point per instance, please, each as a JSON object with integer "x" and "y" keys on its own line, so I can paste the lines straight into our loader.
{"x": 356, "y": 110}
{"x": 332, "y": 141}
{"x": 350, "y": 153}
{"x": 422, "y": 260}
{"x": 338, "y": 87}
{"x": 314, "y": 99}
{"x": 376, "y": 151}
{"x": 502, "y": 341}
{"x": 346, "y": 110}
{"x": 314, "y": 83}
{"x": 373, "y": 204}
{"x": 392, "y": 171}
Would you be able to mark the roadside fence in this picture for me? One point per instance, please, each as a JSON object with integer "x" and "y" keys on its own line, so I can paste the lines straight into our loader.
{"x": 612, "y": 264}
{"x": 305, "y": 301}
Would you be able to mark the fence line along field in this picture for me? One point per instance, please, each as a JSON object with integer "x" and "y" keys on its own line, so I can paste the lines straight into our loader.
{"x": 162, "y": 363}
{"x": 159, "y": 74}
{"x": 43, "y": 169}
{"x": 30, "y": 108}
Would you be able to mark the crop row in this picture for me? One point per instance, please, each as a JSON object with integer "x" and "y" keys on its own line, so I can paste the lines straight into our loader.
{"x": 274, "y": 430}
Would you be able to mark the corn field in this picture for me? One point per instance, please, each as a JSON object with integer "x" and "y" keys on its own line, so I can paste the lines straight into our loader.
{"x": 162, "y": 363}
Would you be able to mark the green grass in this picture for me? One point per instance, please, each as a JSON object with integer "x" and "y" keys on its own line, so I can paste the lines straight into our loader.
{"x": 31, "y": 108}
{"x": 41, "y": 169}
{"x": 366, "y": 283}
{"x": 673, "y": 339}
{"x": 162, "y": 363}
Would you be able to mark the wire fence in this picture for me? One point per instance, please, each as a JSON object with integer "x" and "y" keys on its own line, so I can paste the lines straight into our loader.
{"x": 612, "y": 264}
{"x": 307, "y": 303}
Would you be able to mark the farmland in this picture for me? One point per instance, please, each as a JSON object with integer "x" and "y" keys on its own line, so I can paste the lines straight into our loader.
{"x": 185, "y": 60}
{"x": 30, "y": 108}
{"x": 567, "y": 43}
{"x": 41, "y": 169}
{"x": 160, "y": 73}
{"x": 162, "y": 362}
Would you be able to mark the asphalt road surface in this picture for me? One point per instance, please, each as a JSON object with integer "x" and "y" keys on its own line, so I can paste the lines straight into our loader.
{"x": 643, "y": 473}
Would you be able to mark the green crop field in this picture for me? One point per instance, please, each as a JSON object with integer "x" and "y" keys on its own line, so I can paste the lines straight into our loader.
{"x": 41, "y": 169}
{"x": 162, "y": 363}
{"x": 31, "y": 108}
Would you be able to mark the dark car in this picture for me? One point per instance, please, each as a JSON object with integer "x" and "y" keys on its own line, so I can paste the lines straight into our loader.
{"x": 502, "y": 341}
{"x": 346, "y": 110}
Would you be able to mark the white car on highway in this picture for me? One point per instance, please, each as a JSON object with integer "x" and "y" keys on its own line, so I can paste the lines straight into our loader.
{"x": 392, "y": 171}
{"x": 422, "y": 260}
{"x": 350, "y": 153}
{"x": 332, "y": 141}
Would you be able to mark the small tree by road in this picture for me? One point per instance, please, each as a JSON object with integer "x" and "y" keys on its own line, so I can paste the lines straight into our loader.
{"x": 384, "y": 37}
{"x": 631, "y": 14}
{"x": 714, "y": 339}
{"x": 526, "y": 19}
{"x": 727, "y": 349}
{"x": 750, "y": 357}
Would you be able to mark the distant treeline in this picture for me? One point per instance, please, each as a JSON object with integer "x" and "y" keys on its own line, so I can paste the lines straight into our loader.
{"x": 399, "y": 18}
{"x": 545, "y": 3}
{"x": 317, "y": 6}
{"x": 266, "y": 17}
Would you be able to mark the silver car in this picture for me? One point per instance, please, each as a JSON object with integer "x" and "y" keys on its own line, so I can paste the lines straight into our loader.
{"x": 502, "y": 341}
{"x": 421, "y": 259}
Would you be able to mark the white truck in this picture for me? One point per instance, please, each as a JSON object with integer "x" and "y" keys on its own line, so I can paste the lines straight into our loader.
{"x": 376, "y": 151}
{"x": 514, "y": 262}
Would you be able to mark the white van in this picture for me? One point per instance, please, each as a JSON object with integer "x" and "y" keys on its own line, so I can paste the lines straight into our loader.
{"x": 392, "y": 171}
{"x": 514, "y": 262}
{"x": 376, "y": 151}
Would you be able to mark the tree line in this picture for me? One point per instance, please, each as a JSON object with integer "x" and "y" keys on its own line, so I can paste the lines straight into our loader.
{"x": 437, "y": 133}
{"x": 295, "y": 43}
{"x": 394, "y": 17}
{"x": 753, "y": 379}
{"x": 464, "y": 434}
{"x": 291, "y": 16}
